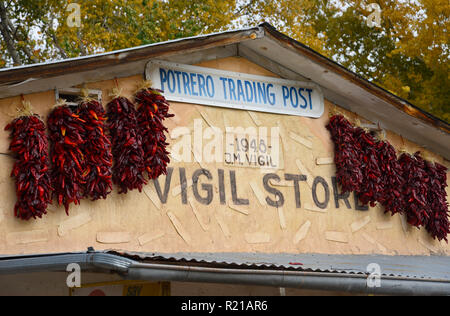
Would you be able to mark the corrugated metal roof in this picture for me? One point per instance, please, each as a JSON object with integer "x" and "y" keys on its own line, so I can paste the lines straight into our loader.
{"x": 400, "y": 275}
{"x": 417, "y": 267}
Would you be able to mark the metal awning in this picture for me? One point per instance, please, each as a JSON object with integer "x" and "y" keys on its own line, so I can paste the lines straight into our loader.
{"x": 404, "y": 275}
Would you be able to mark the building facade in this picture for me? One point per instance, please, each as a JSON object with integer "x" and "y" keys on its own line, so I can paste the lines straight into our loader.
{"x": 251, "y": 185}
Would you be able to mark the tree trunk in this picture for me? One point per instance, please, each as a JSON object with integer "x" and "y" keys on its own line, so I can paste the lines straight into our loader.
{"x": 7, "y": 36}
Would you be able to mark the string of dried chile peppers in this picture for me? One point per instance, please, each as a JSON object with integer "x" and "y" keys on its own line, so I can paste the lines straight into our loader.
{"x": 153, "y": 109}
{"x": 67, "y": 135}
{"x": 129, "y": 167}
{"x": 415, "y": 190}
{"x": 31, "y": 170}
{"x": 347, "y": 154}
{"x": 408, "y": 184}
{"x": 438, "y": 224}
{"x": 97, "y": 151}
{"x": 372, "y": 187}
{"x": 392, "y": 177}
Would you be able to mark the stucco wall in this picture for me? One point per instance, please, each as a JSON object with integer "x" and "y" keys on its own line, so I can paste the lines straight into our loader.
{"x": 140, "y": 222}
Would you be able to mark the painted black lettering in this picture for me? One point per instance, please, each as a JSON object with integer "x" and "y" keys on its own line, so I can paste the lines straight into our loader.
{"x": 163, "y": 197}
{"x": 183, "y": 183}
{"x": 324, "y": 184}
{"x": 236, "y": 200}
{"x": 208, "y": 188}
{"x": 339, "y": 196}
{"x": 271, "y": 163}
{"x": 280, "y": 198}
{"x": 358, "y": 205}
{"x": 296, "y": 178}
{"x": 222, "y": 196}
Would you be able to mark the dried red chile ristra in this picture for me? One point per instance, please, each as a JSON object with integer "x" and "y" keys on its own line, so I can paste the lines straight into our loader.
{"x": 29, "y": 144}
{"x": 438, "y": 224}
{"x": 347, "y": 154}
{"x": 415, "y": 190}
{"x": 392, "y": 178}
{"x": 372, "y": 186}
{"x": 407, "y": 185}
{"x": 67, "y": 135}
{"x": 96, "y": 150}
{"x": 129, "y": 167}
{"x": 153, "y": 109}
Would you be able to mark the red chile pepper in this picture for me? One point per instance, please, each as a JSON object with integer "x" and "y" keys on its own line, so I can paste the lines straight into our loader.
{"x": 392, "y": 178}
{"x": 153, "y": 109}
{"x": 415, "y": 190}
{"x": 407, "y": 185}
{"x": 348, "y": 154}
{"x": 96, "y": 150}
{"x": 29, "y": 144}
{"x": 372, "y": 186}
{"x": 67, "y": 135}
{"x": 438, "y": 224}
{"x": 129, "y": 167}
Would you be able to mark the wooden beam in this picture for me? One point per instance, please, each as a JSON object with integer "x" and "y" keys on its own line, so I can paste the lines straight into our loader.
{"x": 269, "y": 64}
{"x": 159, "y": 50}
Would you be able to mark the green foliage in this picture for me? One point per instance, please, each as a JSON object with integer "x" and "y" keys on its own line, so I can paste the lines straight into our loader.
{"x": 408, "y": 55}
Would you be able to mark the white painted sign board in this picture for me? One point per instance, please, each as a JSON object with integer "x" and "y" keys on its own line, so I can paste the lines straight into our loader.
{"x": 200, "y": 85}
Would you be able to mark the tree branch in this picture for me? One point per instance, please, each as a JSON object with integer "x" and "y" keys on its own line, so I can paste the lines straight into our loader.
{"x": 58, "y": 46}
{"x": 4, "y": 29}
{"x": 15, "y": 35}
{"x": 243, "y": 8}
{"x": 80, "y": 44}
{"x": 48, "y": 30}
